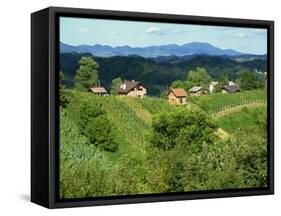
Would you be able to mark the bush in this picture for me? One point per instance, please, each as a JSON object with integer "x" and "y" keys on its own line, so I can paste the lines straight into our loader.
{"x": 87, "y": 112}
{"x": 182, "y": 126}
{"x": 98, "y": 130}
{"x": 95, "y": 125}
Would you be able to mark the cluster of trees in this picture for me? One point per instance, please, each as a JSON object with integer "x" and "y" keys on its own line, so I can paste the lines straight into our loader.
{"x": 87, "y": 76}
{"x": 248, "y": 80}
{"x": 157, "y": 74}
{"x": 197, "y": 77}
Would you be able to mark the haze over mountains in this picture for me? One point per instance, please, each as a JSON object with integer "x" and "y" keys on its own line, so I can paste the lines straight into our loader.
{"x": 194, "y": 48}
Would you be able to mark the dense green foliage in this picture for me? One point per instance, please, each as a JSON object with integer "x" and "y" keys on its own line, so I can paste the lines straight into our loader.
{"x": 199, "y": 77}
{"x": 188, "y": 127}
{"x": 213, "y": 103}
{"x": 156, "y": 75}
{"x": 222, "y": 81}
{"x": 250, "y": 129}
{"x": 115, "y": 85}
{"x": 196, "y": 159}
{"x": 87, "y": 74}
{"x": 249, "y": 80}
{"x": 63, "y": 99}
{"x": 94, "y": 124}
{"x": 179, "y": 84}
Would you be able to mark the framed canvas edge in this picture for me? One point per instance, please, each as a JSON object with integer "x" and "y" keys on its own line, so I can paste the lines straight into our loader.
{"x": 53, "y": 87}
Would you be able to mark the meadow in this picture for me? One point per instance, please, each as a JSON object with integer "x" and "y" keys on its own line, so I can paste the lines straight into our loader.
{"x": 149, "y": 154}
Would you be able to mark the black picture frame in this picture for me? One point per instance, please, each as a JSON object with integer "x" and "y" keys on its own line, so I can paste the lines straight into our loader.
{"x": 45, "y": 106}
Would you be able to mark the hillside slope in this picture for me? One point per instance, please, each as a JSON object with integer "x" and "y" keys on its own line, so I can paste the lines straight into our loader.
{"x": 130, "y": 118}
{"x": 139, "y": 167}
{"x": 157, "y": 76}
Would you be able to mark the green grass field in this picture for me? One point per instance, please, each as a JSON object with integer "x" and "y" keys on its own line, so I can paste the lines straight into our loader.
{"x": 244, "y": 119}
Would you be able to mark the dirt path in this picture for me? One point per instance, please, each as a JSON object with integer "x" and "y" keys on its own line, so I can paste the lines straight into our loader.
{"x": 237, "y": 109}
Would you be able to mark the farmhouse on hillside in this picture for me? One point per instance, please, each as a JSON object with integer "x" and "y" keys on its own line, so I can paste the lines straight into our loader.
{"x": 230, "y": 89}
{"x": 177, "y": 96}
{"x": 132, "y": 88}
{"x": 212, "y": 87}
{"x": 231, "y": 83}
{"x": 195, "y": 91}
{"x": 101, "y": 91}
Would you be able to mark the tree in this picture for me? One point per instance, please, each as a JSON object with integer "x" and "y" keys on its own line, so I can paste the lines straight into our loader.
{"x": 248, "y": 80}
{"x": 94, "y": 124}
{"x": 222, "y": 81}
{"x": 115, "y": 84}
{"x": 63, "y": 98}
{"x": 87, "y": 112}
{"x": 98, "y": 130}
{"x": 199, "y": 77}
{"x": 188, "y": 128}
{"x": 87, "y": 74}
{"x": 179, "y": 84}
{"x": 261, "y": 81}
{"x": 61, "y": 77}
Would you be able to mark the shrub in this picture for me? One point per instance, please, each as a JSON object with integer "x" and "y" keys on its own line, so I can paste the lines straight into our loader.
{"x": 87, "y": 112}
{"x": 183, "y": 126}
{"x": 98, "y": 130}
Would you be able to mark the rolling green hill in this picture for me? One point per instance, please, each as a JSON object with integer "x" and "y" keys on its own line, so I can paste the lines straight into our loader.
{"x": 130, "y": 117}
{"x": 138, "y": 167}
{"x": 156, "y": 75}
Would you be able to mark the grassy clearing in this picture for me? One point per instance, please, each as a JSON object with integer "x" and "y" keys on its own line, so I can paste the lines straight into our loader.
{"x": 246, "y": 118}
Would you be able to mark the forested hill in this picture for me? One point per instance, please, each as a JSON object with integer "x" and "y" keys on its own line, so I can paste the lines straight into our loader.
{"x": 155, "y": 73}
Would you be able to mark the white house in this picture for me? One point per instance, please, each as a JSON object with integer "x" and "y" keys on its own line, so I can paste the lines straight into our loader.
{"x": 212, "y": 86}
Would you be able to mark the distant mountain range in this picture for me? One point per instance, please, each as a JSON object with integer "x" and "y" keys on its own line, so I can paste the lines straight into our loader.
{"x": 194, "y": 48}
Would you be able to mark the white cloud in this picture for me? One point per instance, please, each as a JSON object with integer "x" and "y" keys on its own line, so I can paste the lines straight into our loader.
{"x": 242, "y": 35}
{"x": 84, "y": 30}
{"x": 153, "y": 30}
{"x": 259, "y": 30}
{"x": 178, "y": 31}
{"x": 113, "y": 33}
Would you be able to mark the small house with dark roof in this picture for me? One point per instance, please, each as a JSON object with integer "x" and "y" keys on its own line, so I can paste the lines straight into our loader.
{"x": 195, "y": 91}
{"x": 101, "y": 91}
{"x": 132, "y": 88}
{"x": 177, "y": 96}
{"x": 230, "y": 89}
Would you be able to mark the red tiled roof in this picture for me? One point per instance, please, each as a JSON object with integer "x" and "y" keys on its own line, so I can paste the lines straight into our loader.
{"x": 98, "y": 90}
{"x": 178, "y": 92}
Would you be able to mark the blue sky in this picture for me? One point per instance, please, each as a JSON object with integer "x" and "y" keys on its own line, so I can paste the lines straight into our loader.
{"x": 77, "y": 31}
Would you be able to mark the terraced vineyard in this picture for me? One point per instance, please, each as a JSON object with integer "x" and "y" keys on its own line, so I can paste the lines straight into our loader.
{"x": 214, "y": 103}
